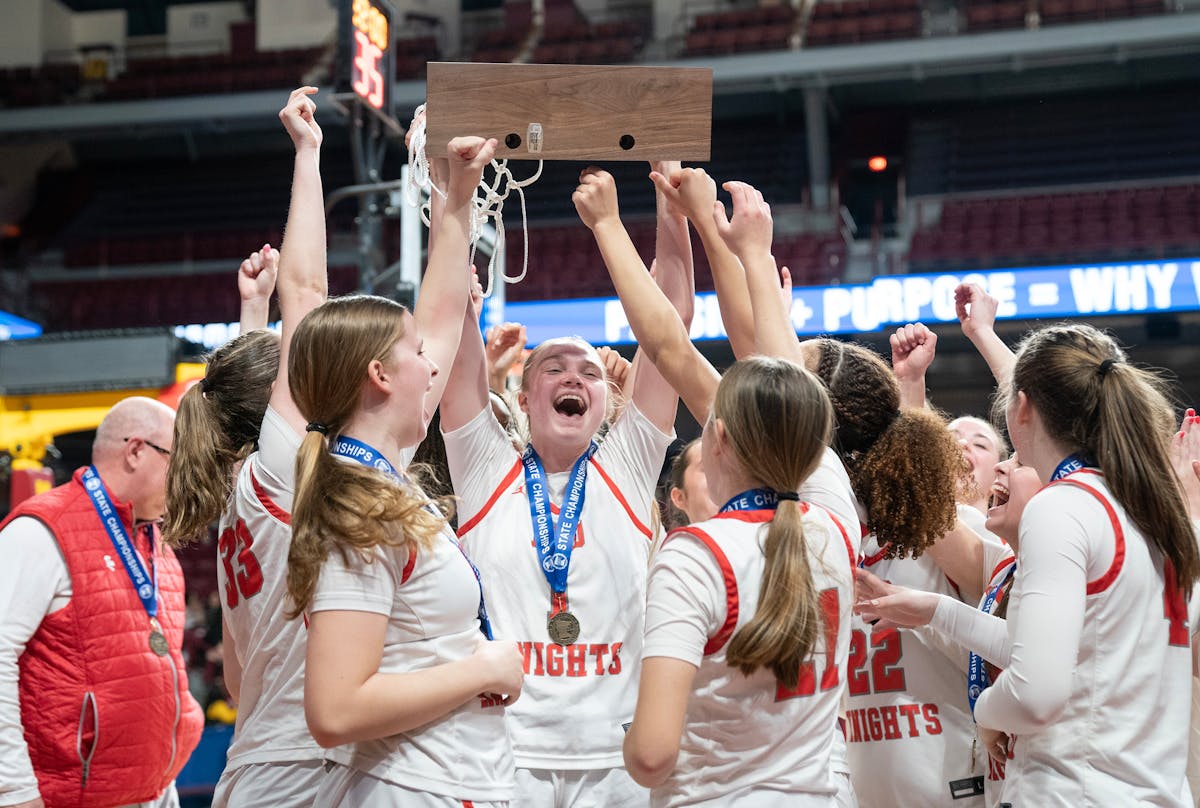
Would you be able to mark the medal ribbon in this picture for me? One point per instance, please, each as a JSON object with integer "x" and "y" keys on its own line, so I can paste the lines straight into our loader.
{"x": 555, "y": 540}
{"x": 756, "y": 499}
{"x": 977, "y": 675}
{"x": 368, "y": 455}
{"x": 144, "y": 584}
{"x": 1070, "y": 465}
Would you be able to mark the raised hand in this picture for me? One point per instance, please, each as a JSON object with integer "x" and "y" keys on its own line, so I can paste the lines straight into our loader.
{"x": 689, "y": 191}
{"x": 913, "y": 349}
{"x": 976, "y": 309}
{"x": 505, "y": 342}
{"x": 257, "y": 274}
{"x": 504, "y": 666}
{"x": 616, "y": 367}
{"x": 466, "y": 158}
{"x": 595, "y": 198}
{"x": 748, "y": 233}
{"x": 299, "y": 121}
{"x": 1185, "y": 459}
{"x": 785, "y": 290}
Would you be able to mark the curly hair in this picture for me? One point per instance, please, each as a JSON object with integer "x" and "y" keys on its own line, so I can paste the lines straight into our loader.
{"x": 905, "y": 465}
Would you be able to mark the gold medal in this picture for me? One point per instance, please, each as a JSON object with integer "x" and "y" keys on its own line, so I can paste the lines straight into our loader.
{"x": 158, "y": 640}
{"x": 563, "y": 628}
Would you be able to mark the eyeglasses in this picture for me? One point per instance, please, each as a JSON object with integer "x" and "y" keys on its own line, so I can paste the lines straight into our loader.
{"x": 154, "y": 446}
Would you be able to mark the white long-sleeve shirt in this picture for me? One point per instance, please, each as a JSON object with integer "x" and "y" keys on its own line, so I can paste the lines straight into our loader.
{"x": 33, "y": 584}
{"x": 1097, "y": 685}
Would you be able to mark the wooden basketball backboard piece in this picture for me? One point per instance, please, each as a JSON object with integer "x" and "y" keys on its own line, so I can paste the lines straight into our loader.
{"x": 572, "y": 112}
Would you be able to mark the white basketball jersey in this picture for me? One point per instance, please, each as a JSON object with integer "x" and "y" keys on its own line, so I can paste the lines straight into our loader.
{"x": 431, "y": 599}
{"x": 576, "y": 697}
{"x": 750, "y": 735}
{"x": 909, "y": 729}
{"x": 252, "y": 580}
{"x": 1123, "y": 736}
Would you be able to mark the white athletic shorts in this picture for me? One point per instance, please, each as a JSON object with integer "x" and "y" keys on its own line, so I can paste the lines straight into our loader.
{"x": 345, "y": 787}
{"x": 292, "y": 784}
{"x": 586, "y": 788}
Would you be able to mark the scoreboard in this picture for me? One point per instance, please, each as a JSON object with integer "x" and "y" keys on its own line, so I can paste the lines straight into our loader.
{"x": 366, "y": 61}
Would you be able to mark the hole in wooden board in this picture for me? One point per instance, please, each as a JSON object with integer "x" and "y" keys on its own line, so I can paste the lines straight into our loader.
{"x": 627, "y": 142}
{"x": 513, "y": 141}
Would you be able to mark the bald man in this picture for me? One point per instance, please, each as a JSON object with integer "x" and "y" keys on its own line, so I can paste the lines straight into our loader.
{"x": 94, "y": 705}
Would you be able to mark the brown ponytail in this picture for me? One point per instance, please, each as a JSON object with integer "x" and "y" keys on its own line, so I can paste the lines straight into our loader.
{"x": 1092, "y": 400}
{"x": 777, "y": 419}
{"x": 217, "y": 427}
{"x": 345, "y": 506}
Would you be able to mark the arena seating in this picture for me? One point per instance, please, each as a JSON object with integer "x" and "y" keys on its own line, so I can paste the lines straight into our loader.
{"x": 149, "y": 300}
{"x": 755, "y": 29}
{"x": 1128, "y": 223}
{"x": 845, "y": 22}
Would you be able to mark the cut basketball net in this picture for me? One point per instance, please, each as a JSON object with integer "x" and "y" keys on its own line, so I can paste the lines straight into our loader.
{"x": 488, "y": 204}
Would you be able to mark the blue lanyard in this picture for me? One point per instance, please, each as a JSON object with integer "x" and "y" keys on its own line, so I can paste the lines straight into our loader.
{"x": 368, "y": 455}
{"x": 555, "y": 541}
{"x": 1070, "y": 465}
{"x": 144, "y": 583}
{"x": 756, "y": 499}
{"x": 977, "y": 675}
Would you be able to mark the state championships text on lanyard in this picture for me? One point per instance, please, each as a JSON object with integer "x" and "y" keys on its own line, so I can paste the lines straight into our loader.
{"x": 145, "y": 584}
{"x": 368, "y": 455}
{"x": 555, "y": 540}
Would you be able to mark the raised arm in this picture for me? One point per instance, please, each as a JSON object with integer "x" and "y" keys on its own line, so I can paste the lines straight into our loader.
{"x": 976, "y": 311}
{"x": 693, "y": 192}
{"x": 256, "y": 284}
{"x": 748, "y": 235}
{"x": 655, "y": 323}
{"x": 913, "y": 349}
{"x": 675, "y": 276}
{"x": 445, "y": 289}
{"x": 302, "y": 284}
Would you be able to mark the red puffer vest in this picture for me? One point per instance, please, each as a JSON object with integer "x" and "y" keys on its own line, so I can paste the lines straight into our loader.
{"x": 107, "y": 721}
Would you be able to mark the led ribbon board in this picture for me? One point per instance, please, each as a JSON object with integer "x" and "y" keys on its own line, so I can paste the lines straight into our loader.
{"x": 1089, "y": 290}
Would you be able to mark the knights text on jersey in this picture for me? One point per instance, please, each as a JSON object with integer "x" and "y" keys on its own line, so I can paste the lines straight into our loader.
{"x": 577, "y": 695}
{"x": 909, "y": 728}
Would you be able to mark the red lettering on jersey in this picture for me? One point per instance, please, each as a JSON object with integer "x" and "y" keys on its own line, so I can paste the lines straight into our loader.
{"x": 910, "y": 711}
{"x": 891, "y": 728}
{"x": 858, "y": 680}
{"x": 245, "y": 577}
{"x": 615, "y": 667}
{"x": 806, "y": 683}
{"x": 933, "y": 725}
{"x": 554, "y": 660}
{"x": 995, "y": 769}
{"x": 1174, "y": 608}
{"x": 525, "y": 648}
{"x": 885, "y": 677}
{"x": 598, "y": 651}
{"x": 577, "y": 659}
{"x": 490, "y": 701}
{"x": 873, "y": 724}
{"x": 538, "y": 670}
